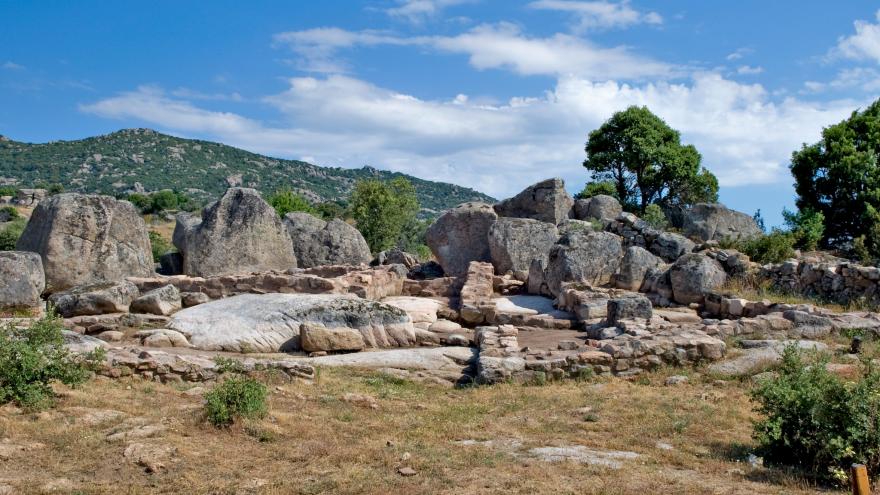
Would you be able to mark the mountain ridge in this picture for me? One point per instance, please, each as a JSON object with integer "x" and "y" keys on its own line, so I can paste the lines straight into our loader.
{"x": 138, "y": 159}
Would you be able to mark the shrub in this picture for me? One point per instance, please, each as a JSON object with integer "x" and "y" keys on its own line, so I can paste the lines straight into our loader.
{"x": 816, "y": 422}
{"x": 141, "y": 201}
{"x": 286, "y": 201}
{"x": 808, "y": 226}
{"x": 236, "y": 397}
{"x": 158, "y": 245}
{"x": 32, "y": 358}
{"x": 384, "y": 211}
{"x": 8, "y": 213}
{"x": 8, "y": 191}
{"x": 596, "y": 188}
{"x": 10, "y": 233}
{"x": 775, "y": 247}
{"x": 655, "y": 217}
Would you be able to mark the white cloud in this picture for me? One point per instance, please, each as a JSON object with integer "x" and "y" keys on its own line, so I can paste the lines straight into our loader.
{"x": 489, "y": 46}
{"x": 745, "y": 138}
{"x": 9, "y": 65}
{"x": 748, "y": 70}
{"x": 417, "y": 11}
{"x": 600, "y": 14}
{"x": 861, "y": 78}
{"x": 739, "y": 53}
{"x": 864, "y": 44}
{"x": 192, "y": 94}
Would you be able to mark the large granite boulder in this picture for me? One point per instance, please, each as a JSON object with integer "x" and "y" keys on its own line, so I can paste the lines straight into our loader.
{"x": 600, "y": 207}
{"x": 162, "y": 301}
{"x": 591, "y": 258}
{"x": 94, "y": 299}
{"x": 272, "y": 322}
{"x": 459, "y": 237}
{"x": 546, "y": 201}
{"x": 670, "y": 246}
{"x": 714, "y": 221}
{"x": 240, "y": 233}
{"x": 85, "y": 239}
{"x": 515, "y": 242}
{"x": 693, "y": 276}
{"x": 316, "y": 242}
{"x": 637, "y": 262}
{"x": 21, "y": 280}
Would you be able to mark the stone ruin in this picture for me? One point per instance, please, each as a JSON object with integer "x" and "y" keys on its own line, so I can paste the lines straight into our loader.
{"x": 536, "y": 287}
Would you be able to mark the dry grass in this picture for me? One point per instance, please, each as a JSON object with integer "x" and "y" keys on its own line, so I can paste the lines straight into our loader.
{"x": 316, "y": 442}
{"x": 754, "y": 290}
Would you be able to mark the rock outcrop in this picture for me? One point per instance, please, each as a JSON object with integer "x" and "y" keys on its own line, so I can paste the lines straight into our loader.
{"x": 94, "y": 299}
{"x": 317, "y": 243}
{"x": 693, "y": 276}
{"x": 600, "y": 207}
{"x": 671, "y": 246}
{"x": 515, "y": 242}
{"x": 272, "y": 322}
{"x": 591, "y": 258}
{"x": 86, "y": 239}
{"x": 21, "y": 281}
{"x": 714, "y": 221}
{"x": 459, "y": 237}
{"x": 634, "y": 267}
{"x": 546, "y": 201}
{"x": 240, "y": 233}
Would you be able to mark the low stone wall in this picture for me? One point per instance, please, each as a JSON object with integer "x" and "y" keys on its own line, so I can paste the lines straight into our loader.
{"x": 840, "y": 282}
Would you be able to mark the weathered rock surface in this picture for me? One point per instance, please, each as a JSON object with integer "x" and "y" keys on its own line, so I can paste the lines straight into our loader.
{"x": 458, "y": 237}
{"x": 693, "y": 276}
{"x": 634, "y": 266}
{"x": 272, "y": 322}
{"x": 316, "y": 242}
{"x": 162, "y": 301}
{"x": 515, "y": 242}
{"x": 419, "y": 309}
{"x": 21, "y": 280}
{"x": 591, "y": 258}
{"x": 315, "y": 338}
{"x": 94, "y": 299}
{"x": 85, "y": 239}
{"x": 671, "y": 246}
{"x": 714, "y": 221}
{"x": 629, "y": 307}
{"x": 397, "y": 256}
{"x": 240, "y": 233}
{"x": 546, "y": 201}
{"x": 600, "y": 207}
{"x": 759, "y": 356}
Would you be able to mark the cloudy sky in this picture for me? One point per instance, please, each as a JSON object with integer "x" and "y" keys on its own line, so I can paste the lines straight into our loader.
{"x": 491, "y": 94}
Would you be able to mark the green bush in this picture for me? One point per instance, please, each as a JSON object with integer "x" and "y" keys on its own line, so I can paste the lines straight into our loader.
{"x": 141, "y": 201}
{"x": 655, "y": 217}
{"x": 286, "y": 201}
{"x": 234, "y": 398}
{"x": 816, "y": 422}
{"x": 159, "y": 246}
{"x": 385, "y": 212}
{"x": 808, "y": 226}
{"x": 8, "y": 191}
{"x": 605, "y": 187}
{"x": 10, "y": 233}
{"x": 32, "y": 358}
{"x": 775, "y": 247}
{"x": 10, "y": 213}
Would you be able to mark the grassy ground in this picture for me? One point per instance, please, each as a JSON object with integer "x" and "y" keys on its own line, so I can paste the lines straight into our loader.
{"x": 753, "y": 290}
{"x": 317, "y": 440}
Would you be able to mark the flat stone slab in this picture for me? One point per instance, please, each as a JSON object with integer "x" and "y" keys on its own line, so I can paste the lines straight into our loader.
{"x": 529, "y": 305}
{"x": 419, "y": 359}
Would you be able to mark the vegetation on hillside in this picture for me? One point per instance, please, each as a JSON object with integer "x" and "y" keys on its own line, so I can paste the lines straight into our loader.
{"x": 385, "y": 213}
{"x": 641, "y": 158}
{"x": 114, "y": 163}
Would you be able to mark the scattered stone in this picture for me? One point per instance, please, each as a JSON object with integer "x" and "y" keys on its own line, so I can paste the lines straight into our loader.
{"x": 634, "y": 306}
{"x": 87, "y": 239}
{"x": 111, "y": 336}
{"x": 94, "y": 299}
{"x": 361, "y": 400}
{"x": 671, "y": 246}
{"x": 136, "y": 432}
{"x": 162, "y": 337}
{"x": 406, "y": 471}
{"x": 152, "y": 458}
{"x": 676, "y": 380}
{"x": 190, "y": 299}
{"x": 162, "y": 301}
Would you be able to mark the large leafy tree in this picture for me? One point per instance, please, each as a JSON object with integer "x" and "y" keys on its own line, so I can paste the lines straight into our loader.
{"x": 644, "y": 159}
{"x": 384, "y": 211}
{"x": 839, "y": 178}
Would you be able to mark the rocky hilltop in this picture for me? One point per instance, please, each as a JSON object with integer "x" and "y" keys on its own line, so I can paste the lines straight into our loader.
{"x": 133, "y": 160}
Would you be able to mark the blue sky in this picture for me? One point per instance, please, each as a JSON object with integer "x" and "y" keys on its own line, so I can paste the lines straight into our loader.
{"x": 492, "y": 94}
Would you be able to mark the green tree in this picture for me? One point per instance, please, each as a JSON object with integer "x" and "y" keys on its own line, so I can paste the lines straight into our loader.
{"x": 839, "y": 177}
{"x": 807, "y": 226}
{"x": 286, "y": 201}
{"x": 591, "y": 189}
{"x": 164, "y": 200}
{"x": 643, "y": 157}
{"x": 383, "y": 210}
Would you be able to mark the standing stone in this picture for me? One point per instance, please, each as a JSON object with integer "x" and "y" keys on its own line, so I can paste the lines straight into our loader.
{"x": 591, "y": 258}
{"x": 636, "y": 264}
{"x": 693, "y": 276}
{"x": 599, "y": 207}
{"x": 21, "y": 280}
{"x": 240, "y": 233}
{"x": 515, "y": 242}
{"x": 86, "y": 238}
{"x": 316, "y": 242}
{"x": 714, "y": 221}
{"x": 459, "y": 237}
{"x": 546, "y": 201}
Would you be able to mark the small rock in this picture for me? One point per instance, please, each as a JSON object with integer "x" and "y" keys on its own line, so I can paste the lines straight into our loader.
{"x": 150, "y": 457}
{"x": 406, "y": 471}
{"x": 676, "y": 380}
{"x": 664, "y": 446}
{"x": 567, "y": 345}
{"x": 361, "y": 400}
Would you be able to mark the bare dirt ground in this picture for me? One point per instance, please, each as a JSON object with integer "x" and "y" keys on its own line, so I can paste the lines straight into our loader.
{"x": 358, "y": 432}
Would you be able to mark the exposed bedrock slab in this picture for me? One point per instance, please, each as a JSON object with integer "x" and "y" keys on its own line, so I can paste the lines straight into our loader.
{"x": 272, "y": 322}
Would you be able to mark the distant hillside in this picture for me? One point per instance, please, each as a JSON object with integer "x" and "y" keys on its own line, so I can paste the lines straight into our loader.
{"x": 142, "y": 159}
